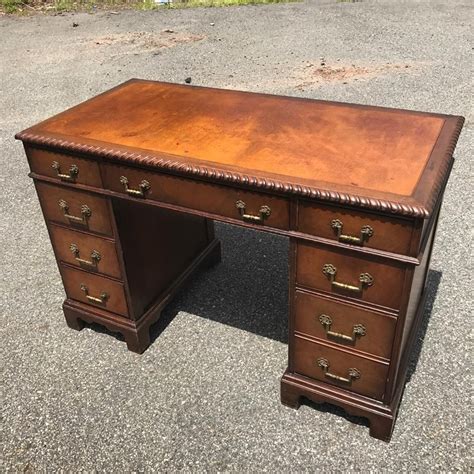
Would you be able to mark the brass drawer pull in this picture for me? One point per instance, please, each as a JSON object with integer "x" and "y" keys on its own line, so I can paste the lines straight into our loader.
{"x": 85, "y": 212}
{"x": 73, "y": 171}
{"x": 358, "y": 330}
{"x": 144, "y": 187}
{"x": 100, "y": 300}
{"x": 365, "y": 279}
{"x": 365, "y": 233}
{"x": 264, "y": 212}
{"x": 354, "y": 374}
{"x": 95, "y": 256}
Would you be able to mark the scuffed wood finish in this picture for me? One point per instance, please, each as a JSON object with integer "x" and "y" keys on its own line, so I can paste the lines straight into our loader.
{"x": 290, "y": 145}
{"x": 379, "y": 327}
{"x": 97, "y": 222}
{"x": 41, "y": 162}
{"x": 200, "y": 151}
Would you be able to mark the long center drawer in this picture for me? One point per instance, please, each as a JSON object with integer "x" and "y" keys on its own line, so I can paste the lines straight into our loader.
{"x": 247, "y": 206}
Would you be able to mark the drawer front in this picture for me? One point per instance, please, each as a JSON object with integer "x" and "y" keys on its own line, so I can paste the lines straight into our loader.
{"x": 357, "y": 228}
{"x": 344, "y": 324}
{"x": 94, "y": 290}
{"x": 91, "y": 253}
{"x": 76, "y": 209}
{"x": 340, "y": 272}
{"x": 68, "y": 168}
{"x": 201, "y": 196}
{"x": 352, "y": 372}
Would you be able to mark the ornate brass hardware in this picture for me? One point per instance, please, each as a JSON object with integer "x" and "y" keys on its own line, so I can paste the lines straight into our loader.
{"x": 365, "y": 233}
{"x": 353, "y": 374}
{"x": 100, "y": 300}
{"x": 365, "y": 279}
{"x": 144, "y": 187}
{"x": 73, "y": 171}
{"x": 95, "y": 256}
{"x": 358, "y": 330}
{"x": 264, "y": 212}
{"x": 85, "y": 212}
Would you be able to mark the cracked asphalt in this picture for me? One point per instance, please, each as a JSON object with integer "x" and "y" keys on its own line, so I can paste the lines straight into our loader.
{"x": 205, "y": 396}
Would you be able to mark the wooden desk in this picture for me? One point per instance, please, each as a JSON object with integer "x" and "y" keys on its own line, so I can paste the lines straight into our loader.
{"x": 130, "y": 181}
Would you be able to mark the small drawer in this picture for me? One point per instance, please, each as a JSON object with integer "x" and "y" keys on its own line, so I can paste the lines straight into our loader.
{"x": 356, "y": 228}
{"x": 367, "y": 278}
{"x": 94, "y": 290}
{"x": 248, "y": 206}
{"x": 73, "y": 208}
{"x": 344, "y": 324}
{"x": 337, "y": 367}
{"x": 91, "y": 253}
{"x": 67, "y": 168}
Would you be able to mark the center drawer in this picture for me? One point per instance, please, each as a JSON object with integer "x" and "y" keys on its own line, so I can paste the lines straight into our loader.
{"x": 247, "y": 206}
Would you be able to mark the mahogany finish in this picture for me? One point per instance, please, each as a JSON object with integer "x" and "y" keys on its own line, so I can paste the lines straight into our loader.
{"x": 137, "y": 173}
{"x": 373, "y": 373}
{"x": 65, "y": 168}
{"x": 115, "y": 300}
{"x": 62, "y": 240}
{"x": 201, "y": 196}
{"x": 50, "y": 197}
{"x": 379, "y": 327}
{"x": 389, "y": 234}
{"x": 388, "y": 275}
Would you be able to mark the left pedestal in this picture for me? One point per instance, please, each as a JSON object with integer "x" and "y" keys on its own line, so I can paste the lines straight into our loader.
{"x": 121, "y": 260}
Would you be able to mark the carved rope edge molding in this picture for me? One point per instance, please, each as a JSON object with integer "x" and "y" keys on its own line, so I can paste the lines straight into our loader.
{"x": 251, "y": 181}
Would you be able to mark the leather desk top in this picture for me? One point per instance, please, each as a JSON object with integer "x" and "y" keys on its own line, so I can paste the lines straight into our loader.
{"x": 389, "y": 160}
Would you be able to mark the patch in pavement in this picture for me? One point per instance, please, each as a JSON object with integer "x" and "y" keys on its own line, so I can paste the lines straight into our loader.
{"x": 144, "y": 40}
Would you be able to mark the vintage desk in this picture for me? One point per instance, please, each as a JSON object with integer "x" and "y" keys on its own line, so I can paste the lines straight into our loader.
{"x": 130, "y": 181}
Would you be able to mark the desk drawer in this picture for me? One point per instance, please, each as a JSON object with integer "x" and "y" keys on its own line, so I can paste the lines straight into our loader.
{"x": 91, "y": 253}
{"x": 352, "y": 372}
{"x": 354, "y": 227}
{"x": 94, "y": 290}
{"x": 73, "y": 208}
{"x": 201, "y": 196}
{"x": 68, "y": 168}
{"x": 344, "y": 324}
{"x": 340, "y": 272}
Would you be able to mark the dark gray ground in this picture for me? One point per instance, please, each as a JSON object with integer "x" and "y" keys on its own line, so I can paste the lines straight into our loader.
{"x": 205, "y": 395}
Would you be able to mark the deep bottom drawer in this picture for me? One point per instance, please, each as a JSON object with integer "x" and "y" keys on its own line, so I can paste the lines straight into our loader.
{"x": 95, "y": 290}
{"x": 337, "y": 367}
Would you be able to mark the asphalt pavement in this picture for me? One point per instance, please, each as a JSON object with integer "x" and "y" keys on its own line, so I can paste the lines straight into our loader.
{"x": 205, "y": 395}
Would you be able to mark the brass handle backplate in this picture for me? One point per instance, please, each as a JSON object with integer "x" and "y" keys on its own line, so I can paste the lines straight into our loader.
{"x": 264, "y": 212}
{"x": 365, "y": 279}
{"x": 94, "y": 299}
{"x": 358, "y": 330}
{"x": 365, "y": 233}
{"x": 144, "y": 186}
{"x": 73, "y": 171}
{"x": 95, "y": 256}
{"x": 353, "y": 374}
{"x": 85, "y": 212}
